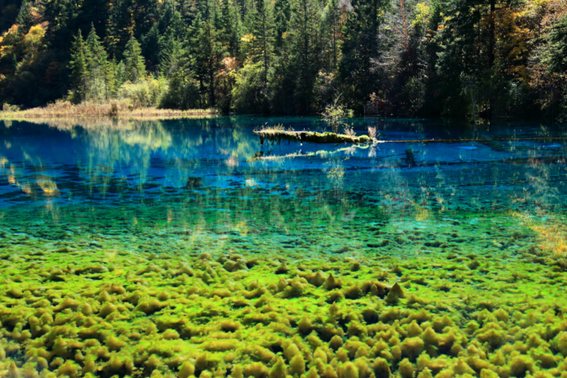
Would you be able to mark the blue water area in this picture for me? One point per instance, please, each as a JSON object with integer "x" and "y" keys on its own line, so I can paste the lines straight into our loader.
{"x": 421, "y": 185}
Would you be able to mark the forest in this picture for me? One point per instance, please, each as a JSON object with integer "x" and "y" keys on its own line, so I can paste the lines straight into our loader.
{"x": 469, "y": 59}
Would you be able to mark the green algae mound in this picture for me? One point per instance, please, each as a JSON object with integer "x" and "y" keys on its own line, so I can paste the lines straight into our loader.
{"x": 77, "y": 313}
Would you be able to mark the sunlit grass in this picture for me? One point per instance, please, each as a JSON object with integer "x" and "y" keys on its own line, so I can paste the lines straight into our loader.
{"x": 112, "y": 109}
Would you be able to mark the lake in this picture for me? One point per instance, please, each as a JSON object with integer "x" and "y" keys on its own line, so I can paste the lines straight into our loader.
{"x": 189, "y": 247}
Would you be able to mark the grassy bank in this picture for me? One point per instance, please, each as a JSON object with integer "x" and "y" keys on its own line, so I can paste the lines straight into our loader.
{"x": 112, "y": 109}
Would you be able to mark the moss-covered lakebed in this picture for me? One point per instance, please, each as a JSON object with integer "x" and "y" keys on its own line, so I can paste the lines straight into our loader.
{"x": 81, "y": 309}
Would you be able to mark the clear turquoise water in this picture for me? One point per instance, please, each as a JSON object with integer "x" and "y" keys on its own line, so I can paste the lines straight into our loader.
{"x": 183, "y": 186}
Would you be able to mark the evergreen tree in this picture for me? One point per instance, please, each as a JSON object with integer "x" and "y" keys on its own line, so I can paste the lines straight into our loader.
{"x": 78, "y": 67}
{"x": 172, "y": 31}
{"x": 206, "y": 56}
{"x": 151, "y": 47}
{"x": 555, "y": 52}
{"x": 304, "y": 52}
{"x": 99, "y": 83}
{"x": 259, "y": 46}
{"x": 330, "y": 30}
{"x": 357, "y": 71}
{"x": 93, "y": 12}
{"x": 134, "y": 66}
{"x": 282, "y": 13}
{"x": 120, "y": 27}
{"x": 228, "y": 26}
{"x": 25, "y": 18}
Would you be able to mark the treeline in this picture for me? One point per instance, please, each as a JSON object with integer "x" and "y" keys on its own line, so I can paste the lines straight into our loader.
{"x": 458, "y": 58}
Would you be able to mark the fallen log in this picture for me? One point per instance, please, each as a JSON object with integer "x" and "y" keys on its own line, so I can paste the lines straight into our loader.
{"x": 276, "y": 135}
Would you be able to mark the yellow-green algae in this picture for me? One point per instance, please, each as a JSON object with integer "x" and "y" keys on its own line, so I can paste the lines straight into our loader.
{"x": 68, "y": 312}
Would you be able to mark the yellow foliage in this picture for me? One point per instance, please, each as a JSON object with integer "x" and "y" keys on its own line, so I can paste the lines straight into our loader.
{"x": 34, "y": 38}
{"x": 247, "y": 38}
{"x": 422, "y": 13}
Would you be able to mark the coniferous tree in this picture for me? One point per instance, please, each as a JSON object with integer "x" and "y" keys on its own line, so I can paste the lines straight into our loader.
{"x": 357, "y": 71}
{"x": 258, "y": 47}
{"x": 555, "y": 52}
{"x": 151, "y": 47}
{"x": 120, "y": 27}
{"x": 172, "y": 31}
{"x": 78, "y": 67}
{"x": 304, "y": 52}
{"x": 134, "y": 65}
{"x": 331, "y": 24}
{"x": 228, "y": 26}
{"x": 206, "y": 55}
{"x": 282, "y": 14}
{"x": 93, "y": 12}
{"x": 99, "y": 84}
{"x": 25, "y": 18}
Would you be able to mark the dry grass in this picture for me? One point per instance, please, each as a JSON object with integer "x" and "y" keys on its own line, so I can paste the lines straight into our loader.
{"x": 113, "y": 109}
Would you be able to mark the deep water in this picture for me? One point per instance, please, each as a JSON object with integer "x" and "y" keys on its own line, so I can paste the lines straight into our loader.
{"x": 187, "y": 234}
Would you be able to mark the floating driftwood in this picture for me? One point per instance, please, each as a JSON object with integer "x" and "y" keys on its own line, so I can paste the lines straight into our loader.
{"x": 277, "y": 135}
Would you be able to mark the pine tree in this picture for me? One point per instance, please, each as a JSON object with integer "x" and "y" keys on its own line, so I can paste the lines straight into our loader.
{"x": 120, "y": 27}
{"x": 206, "y": 56}
{"x": 259, "y": 47}
{"x": 135, "y": 67}
{"x": 25, "y": 18}
{"x": 228, "y": 26}
{"x": 555, "y": 51}
{"x": 98, "y": 87}
{"x": 357, "y": 74}
{"x": 304, "y": 52}
{"x": 282, "y": 12}
{"x": 330, "y": 30}
{"x": 78, "y": 67}
{"x": 151, "y": 47}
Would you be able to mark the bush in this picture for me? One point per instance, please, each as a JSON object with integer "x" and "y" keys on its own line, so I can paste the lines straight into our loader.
{"x": 334, "y": 115}
{"x": 183, "y": 93}
{"x": 10, "y": 108}
{"x": 145, "y": 93}
{"x": 248, "y": 92}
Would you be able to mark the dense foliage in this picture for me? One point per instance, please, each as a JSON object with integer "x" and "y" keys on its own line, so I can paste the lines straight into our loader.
{"x": 462, "y": 58}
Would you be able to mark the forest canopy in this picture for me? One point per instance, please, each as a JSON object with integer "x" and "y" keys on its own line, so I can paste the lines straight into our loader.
{"x": 429, "y": 58}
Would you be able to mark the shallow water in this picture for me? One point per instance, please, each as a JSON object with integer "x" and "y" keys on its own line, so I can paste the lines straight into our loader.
{"x": 200, "y": 177}
{"x": 148, "y": 237}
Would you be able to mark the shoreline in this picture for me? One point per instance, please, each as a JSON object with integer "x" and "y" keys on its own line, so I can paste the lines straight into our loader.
{"x": 108, "y": 111}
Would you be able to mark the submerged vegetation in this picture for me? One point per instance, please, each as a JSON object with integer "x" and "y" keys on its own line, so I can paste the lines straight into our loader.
{"x": 116, "y": 312}
{"x": 458, "y": 58}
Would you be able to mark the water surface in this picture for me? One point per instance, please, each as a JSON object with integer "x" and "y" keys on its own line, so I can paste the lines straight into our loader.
{"x": 200, "y": 182}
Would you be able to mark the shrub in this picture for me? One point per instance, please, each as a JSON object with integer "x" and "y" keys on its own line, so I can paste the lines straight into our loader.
{"x": 145, "y": 93}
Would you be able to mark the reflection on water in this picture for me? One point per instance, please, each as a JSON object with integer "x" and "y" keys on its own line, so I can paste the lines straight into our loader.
{"x": 210, "y": 182}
